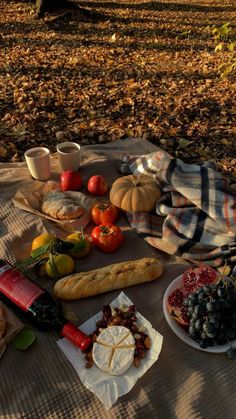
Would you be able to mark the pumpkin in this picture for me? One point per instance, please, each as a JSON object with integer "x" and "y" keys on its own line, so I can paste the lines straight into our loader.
{"x": 135, "y": 193}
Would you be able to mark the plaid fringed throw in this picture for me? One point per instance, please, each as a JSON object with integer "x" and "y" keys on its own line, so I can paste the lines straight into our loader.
{"x": 196, "y": 216}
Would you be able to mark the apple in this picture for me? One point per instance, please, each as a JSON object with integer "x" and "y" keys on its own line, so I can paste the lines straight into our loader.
{"x": 97, "y": 185}
{"x": 71, "y": 181}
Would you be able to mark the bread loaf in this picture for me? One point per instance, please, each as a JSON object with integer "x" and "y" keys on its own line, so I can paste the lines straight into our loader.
{"x": 108, "y": 278}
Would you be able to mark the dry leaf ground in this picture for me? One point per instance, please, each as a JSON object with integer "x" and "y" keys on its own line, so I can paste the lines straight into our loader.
{"x": 137, "y": 68}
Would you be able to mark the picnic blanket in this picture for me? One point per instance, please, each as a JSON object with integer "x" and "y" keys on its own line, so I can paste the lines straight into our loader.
{"x": 196, "y": 216}
{"x": 41, "y": 382}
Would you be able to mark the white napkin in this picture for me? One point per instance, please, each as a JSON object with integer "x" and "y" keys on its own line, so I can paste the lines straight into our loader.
{"x": 107, "y": 387}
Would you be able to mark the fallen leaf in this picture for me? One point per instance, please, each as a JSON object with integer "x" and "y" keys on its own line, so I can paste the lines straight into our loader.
{"x": 183, "y": 143}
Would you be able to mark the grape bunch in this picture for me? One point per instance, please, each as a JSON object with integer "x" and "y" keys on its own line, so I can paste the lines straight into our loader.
{"x": 212, "y": 314}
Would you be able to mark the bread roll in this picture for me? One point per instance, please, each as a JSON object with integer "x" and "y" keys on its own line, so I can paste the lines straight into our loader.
{"x": 108, "y": 278}
{"x": 61, "y": 205}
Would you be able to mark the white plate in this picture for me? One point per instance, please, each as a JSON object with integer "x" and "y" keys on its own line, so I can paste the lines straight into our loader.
{"x": 179, "y": 331}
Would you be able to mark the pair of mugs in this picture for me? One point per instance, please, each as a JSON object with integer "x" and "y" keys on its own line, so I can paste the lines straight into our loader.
{"x": 39, "y": 161}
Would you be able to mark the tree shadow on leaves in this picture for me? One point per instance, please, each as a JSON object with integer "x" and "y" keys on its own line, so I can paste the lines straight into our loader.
{"x": 157, "y": 6}
{"x": 132, "y": 45}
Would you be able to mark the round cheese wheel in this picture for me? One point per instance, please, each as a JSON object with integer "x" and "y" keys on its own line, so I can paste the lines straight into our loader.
{"x": 113, "y": 351}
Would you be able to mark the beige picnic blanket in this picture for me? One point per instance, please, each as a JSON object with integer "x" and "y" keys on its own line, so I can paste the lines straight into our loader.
{"x": 41, "y": 382}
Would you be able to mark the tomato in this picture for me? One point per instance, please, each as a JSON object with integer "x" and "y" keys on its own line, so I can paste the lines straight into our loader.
{"x": 104, "y": 213}
{"x": 107, "y": 237}
{"x": 71, "y": 181}
{"x": 82, "y": 245}
{"x": 97, "y": 185}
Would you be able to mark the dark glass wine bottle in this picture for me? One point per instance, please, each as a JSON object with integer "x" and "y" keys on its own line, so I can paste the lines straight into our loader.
{"x": 37, "y": 305}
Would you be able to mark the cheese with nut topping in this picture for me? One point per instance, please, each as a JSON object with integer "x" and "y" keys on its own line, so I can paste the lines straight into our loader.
{"x": 113, "y": 351}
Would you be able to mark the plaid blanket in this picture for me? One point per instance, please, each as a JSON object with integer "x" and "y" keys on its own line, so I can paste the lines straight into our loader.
{"x": 196, "y": 216}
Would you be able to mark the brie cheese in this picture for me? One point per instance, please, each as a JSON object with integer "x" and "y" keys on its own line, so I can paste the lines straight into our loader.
{"x": 113, "y": 352}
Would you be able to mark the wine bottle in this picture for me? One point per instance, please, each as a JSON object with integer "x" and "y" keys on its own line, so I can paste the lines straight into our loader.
{"x": 37, "y": 304}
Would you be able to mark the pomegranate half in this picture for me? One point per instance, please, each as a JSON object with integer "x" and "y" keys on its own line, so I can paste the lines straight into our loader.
{"x": 192, "y": 280}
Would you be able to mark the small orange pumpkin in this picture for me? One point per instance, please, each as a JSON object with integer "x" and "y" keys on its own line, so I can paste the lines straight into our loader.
{"x": 135, "y": 193}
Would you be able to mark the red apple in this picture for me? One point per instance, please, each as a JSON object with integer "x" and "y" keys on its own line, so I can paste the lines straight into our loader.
{"x": 97, "y": 185}
{"x": 71, "y": 181}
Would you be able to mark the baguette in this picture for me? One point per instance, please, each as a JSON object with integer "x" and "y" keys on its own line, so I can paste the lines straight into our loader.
{"x": 111, "y": 277}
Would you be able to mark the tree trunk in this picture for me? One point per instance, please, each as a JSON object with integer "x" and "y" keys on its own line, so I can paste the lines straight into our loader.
{"x": 43, "y": 6}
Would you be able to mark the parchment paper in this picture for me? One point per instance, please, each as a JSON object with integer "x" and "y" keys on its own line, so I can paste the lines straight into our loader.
{"x": 14, "y": 326}
{"x": 30, "y": 197}
{"x": 106, "y": 387}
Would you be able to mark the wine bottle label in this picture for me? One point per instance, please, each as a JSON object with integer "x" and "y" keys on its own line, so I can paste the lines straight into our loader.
{"x": 18, "y": 288}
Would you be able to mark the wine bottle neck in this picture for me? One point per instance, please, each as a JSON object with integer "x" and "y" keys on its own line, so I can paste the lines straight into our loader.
{"x": 76, "y": 336}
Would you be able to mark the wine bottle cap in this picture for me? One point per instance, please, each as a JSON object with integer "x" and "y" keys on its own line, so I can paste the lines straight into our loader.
{"x": 76, "y": 336}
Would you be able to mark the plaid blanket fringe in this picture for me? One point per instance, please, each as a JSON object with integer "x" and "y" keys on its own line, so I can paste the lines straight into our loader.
{"x": 196, "y": 216}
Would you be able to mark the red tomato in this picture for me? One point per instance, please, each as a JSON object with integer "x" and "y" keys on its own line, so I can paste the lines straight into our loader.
{"x": 104, "y": 213}
{"x": 71, "y": 181}
{"x": 107, "y": 237}
{"x": 97, "y": 185}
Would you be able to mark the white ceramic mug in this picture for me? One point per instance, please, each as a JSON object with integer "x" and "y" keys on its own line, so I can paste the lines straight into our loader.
{"x": 69, "y": 156}
{"x": 39, "y": 162}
